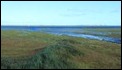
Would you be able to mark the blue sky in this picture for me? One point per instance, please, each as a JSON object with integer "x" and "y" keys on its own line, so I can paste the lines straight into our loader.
{"x": 61, "y": 13}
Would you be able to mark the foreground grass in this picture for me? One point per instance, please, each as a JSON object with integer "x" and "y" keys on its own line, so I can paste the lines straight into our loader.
{"x": 32, "y": 50}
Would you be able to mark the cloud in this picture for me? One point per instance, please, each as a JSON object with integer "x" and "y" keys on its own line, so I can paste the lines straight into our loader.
{"x": 80, "y": 12}
{"x": 115, "y": 11}
{"x": 85, "y": 10}
{"x": 73, "y": 14}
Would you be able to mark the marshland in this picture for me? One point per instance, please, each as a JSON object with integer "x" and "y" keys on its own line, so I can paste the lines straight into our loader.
{"x": 60, "y": 34}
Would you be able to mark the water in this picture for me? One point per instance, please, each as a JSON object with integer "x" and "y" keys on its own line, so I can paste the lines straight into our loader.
{"x": 62, "y": 30}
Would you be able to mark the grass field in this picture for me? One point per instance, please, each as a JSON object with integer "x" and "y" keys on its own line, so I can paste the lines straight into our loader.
{"x": 34, "y": 50}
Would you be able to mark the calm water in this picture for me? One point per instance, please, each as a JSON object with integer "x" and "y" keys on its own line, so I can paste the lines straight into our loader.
{"x": 63, "y": 30}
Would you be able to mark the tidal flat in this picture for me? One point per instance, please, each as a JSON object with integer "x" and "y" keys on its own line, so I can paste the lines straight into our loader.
{"x": 44, "y": 49}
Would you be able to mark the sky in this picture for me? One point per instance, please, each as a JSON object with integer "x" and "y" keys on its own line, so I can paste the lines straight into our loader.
{"x": 61, "y": 13}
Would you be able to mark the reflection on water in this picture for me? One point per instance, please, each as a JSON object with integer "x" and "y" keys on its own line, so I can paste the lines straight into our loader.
{"x": 103, "y": 38}
{"x": 65, "y": 31}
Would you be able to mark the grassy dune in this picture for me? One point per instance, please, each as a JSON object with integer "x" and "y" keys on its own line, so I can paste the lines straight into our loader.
{"x": 34, "y": 50}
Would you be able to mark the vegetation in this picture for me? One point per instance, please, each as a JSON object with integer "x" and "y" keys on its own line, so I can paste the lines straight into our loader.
{"x": 34, "y": 50}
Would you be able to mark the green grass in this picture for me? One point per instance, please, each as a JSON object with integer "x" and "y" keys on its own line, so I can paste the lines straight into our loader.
{"x": 34, "y": 50}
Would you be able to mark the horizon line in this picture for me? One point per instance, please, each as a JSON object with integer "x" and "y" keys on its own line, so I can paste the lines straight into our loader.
{"x": 61, "y": 25}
